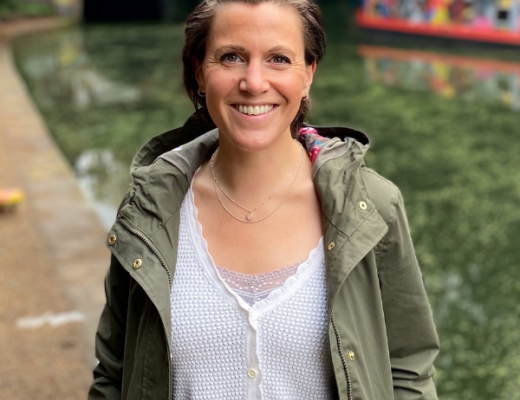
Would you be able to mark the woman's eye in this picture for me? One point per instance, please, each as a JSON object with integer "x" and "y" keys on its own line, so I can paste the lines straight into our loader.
{"x": 230, "y": 57}
{"x": 281, "y": 60}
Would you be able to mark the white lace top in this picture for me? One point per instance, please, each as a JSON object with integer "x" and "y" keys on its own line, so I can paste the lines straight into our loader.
{"x": 270, "y": 344}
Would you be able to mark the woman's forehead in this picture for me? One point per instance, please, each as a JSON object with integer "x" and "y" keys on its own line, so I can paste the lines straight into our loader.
{"x": 266, "y": 21}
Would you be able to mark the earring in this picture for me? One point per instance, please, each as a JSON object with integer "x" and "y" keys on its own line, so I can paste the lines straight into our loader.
{"x": 201, "y": 94}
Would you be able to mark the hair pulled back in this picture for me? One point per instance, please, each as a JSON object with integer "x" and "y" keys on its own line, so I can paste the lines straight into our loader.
{"x": 198, "y": 26}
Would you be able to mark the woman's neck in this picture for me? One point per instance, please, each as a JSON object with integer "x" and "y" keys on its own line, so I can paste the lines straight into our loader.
{"x": 251, "y": 176}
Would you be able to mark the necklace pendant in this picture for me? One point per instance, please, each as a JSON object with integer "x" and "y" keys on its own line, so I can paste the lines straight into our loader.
{"x": 249, "y": 216}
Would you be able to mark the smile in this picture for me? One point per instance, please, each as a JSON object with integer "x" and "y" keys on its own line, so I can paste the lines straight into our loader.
{"x": 254, "y": 110}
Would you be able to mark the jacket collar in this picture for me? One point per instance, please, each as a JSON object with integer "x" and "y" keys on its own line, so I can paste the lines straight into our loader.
{"x": 187, "y": 147}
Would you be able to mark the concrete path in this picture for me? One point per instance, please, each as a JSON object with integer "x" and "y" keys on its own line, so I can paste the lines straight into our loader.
{"x": 52, "y": 253}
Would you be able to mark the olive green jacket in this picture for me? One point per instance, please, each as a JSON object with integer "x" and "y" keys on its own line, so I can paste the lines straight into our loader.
{"x": 382, "y": 336}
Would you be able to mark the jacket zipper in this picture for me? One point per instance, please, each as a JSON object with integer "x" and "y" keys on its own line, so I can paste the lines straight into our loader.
{"x": 345, "y": 368}
{"x": 150, "y": 245}
{"x": 154, "y": 250}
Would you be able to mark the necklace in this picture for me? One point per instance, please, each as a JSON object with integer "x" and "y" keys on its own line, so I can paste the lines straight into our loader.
{"x": 249, "y": 216}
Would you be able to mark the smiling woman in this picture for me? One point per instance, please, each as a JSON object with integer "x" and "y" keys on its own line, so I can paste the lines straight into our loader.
{"x": 261, "y": 258}
{"x": 200, "y": 24}
{"x": 242, "y": 69}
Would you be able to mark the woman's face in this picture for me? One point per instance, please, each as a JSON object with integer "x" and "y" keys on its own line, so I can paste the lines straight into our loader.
{"x": 254, "y": 73}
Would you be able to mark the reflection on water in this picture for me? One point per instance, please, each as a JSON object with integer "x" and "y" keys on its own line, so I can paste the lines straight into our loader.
{"x": 67, "y": 74}
{"x": 103, "y": 92}
{"x": 99, "y": 175}
{"x": 446, "y": 75}
{"x": 444, "y": 128}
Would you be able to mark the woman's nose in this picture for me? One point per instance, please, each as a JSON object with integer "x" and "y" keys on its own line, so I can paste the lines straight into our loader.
{"x": 255, "y": 79}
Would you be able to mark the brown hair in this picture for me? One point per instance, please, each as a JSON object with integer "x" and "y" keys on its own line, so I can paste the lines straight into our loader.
{"x": 197, "y": 31}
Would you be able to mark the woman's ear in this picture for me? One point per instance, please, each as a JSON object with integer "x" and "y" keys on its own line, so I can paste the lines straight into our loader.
{"x": 199, "y": 76}
{"x": 309, "y": 74}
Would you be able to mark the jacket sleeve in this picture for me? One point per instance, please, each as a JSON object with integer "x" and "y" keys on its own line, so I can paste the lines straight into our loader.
{"x": 110, "y": 336}
{"x": 412, "y": 338}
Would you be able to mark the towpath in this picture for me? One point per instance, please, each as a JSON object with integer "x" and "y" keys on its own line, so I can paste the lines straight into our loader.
{"x": 52, "y": 253}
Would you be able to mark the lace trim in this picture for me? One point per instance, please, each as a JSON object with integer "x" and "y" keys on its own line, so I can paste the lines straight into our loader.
{"x": 253, "y": 288}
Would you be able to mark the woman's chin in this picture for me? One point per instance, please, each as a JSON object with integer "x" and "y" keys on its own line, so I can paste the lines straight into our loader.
{"x": 251, "y": 140}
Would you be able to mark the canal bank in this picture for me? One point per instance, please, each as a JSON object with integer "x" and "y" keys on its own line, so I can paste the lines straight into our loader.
{"x": 52, "y": 259}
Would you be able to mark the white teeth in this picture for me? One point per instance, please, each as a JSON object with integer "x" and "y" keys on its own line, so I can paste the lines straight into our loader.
{"x": 254, "y": 110}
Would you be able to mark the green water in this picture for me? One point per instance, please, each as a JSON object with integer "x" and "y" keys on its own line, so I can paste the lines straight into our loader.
{"x": 447, "y": 132}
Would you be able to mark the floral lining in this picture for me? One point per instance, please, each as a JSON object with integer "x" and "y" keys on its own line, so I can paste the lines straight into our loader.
{"x": 312, "y": 141}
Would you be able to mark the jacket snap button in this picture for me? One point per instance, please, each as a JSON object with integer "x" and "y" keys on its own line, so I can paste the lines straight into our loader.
{"x": 362, "y": 205}
{"x": 331, "y": 246}
{"x": 112, "y": 239}
{"x": 351, "y": 355}
{"x": 137, "y": 263}
{"x": 251, "y": 373}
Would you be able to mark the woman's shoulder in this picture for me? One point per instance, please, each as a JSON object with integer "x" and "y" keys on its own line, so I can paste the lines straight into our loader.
{"x": 382, "y": 192}
{"x": 346, "y": 148}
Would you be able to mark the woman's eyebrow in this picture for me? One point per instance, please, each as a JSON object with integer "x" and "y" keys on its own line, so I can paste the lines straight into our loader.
{"x": 231, "y": 47}
{"x": 280, "y": 49}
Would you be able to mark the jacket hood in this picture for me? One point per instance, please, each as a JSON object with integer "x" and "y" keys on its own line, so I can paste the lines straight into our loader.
{"x": 197, "y": 125}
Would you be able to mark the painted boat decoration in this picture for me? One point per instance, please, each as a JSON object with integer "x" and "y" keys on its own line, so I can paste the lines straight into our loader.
{"x": 486, "y": 21}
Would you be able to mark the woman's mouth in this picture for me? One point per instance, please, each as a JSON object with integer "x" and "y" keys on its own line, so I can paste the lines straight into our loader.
{"x": 254, "y": 110}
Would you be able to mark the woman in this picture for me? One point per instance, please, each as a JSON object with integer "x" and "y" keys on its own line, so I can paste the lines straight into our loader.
{"x": 247, "y": 264}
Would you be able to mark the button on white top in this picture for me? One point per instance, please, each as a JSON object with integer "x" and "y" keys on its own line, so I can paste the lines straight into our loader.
{"x": 251, "y": 372}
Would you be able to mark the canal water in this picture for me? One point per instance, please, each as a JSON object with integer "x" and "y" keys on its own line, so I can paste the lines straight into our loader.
{"x": 445, "y": 127}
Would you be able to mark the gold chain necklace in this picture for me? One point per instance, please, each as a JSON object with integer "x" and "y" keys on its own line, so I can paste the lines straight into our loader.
{"x": 249, "y": 216}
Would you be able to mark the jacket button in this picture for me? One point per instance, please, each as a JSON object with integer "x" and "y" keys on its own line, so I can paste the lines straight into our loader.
{"x": 137, "y": 263}
{"x": 112, "y": 239}
{"x": 251, "y": 372}
{"x": 363, "y": 205}
{"x": 331, "y": 246}
{"x": 351, "y": 355}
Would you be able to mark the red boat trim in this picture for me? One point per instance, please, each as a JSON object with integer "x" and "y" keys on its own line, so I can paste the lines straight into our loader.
{"x": 459, "y": 32}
